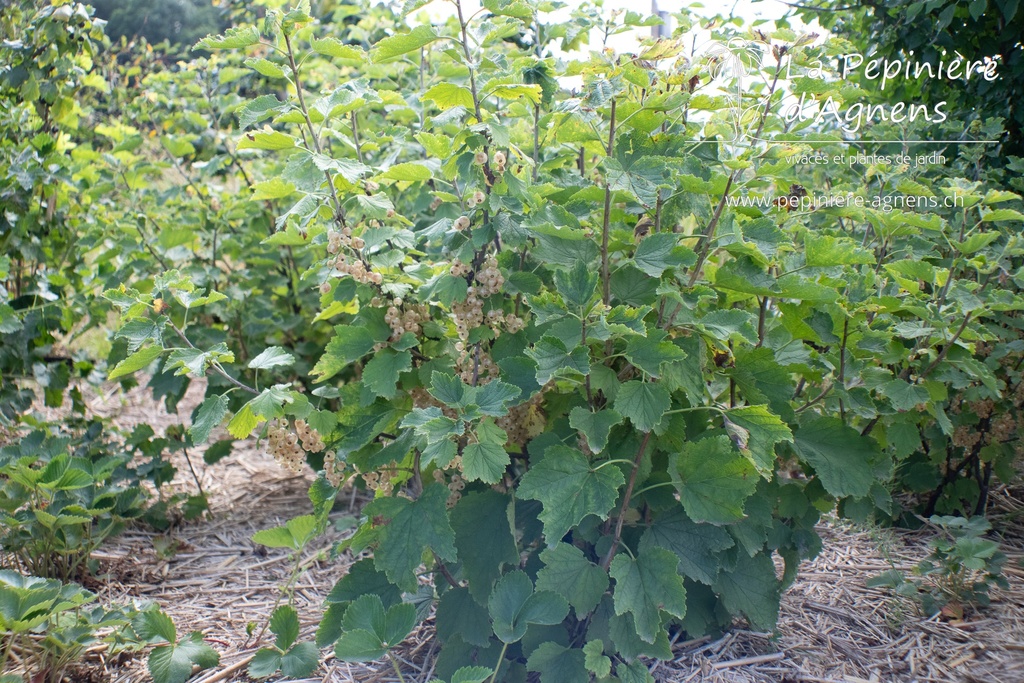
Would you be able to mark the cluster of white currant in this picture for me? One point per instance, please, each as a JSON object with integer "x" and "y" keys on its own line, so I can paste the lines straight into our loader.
{"x": 475, "y": 200}
{"x": 524, "y": 421}
{"x": 404, "y": 317}
{"x": 380, "y": 481}
{"x": 497, "y": 160}
{"x": 334, "y": 469}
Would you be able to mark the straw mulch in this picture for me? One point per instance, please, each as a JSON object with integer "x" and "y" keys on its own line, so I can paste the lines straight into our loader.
{"x": 210, "y": 577}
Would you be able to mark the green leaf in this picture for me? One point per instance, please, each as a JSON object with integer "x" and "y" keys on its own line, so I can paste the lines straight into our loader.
{"x": 646, "y": 586}
{"x": 359, "y": 646}
{"x": 284, "y": 623}
{"x": 380, "y": 374}
{"x": 242, "y": 424}
{"x": 595, "y": 659}
{"x": 173, "y": 663}
{"x": 265, "y": 67}
{"x": 135, "y": 362}
{"x": 448, "y": 95}
{"x": 824, "y": 250}
{"x": 410, "y": 171}
{"x": 485, "y": 461}
{"x": 266, "y": 139}
{"x": 472, "y": 674}
{"x": 696, "y": 545}
{"x": 553, "y": 357}
{"x": 420, "y": 524}
{"x": 756, "y": 430}
{"x": 840, "y": 456}
{"x": 494, "y": 397}
{"x": 403, "y": 43}
{"x": 233, "y": 38}
{"x": 349, "y": 344}
{"x": 266, "y": 663}
{"x": 154, "y": 626}
{"x": 903, "y": 395}
{"x": 660, "y": 252}
{"x": 513, "y": 605}
{"x": 271, "y": 357}
{"x": 458, "y": 614}
{"x": 210, "y": 414}
{"x": 1002, "y": 215}
{"x": 569, "y": 489}
{"x": 332, "y": 47}
{"x": 558, "y": 664}
{"x": 275, "y": 188}
{"x": 713, "y": 480}
{"x": 750, "y": 587}
{"x": 644, "y": 403}
{"x": 594, "y": 426}
{"x": 649, "y": 353}
{"x": 578, "y": 285}
{"x": 484, "y": 539}
{"x": 570, "y": 574}
{"x": 294, "y": 534}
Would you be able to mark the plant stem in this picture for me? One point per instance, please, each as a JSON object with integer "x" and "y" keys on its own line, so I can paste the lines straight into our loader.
{"x": 398, "y": 671}
{"x": 606, "y": 295}
{"x": 501, "y": 658}
{"x": 606, "y": 562}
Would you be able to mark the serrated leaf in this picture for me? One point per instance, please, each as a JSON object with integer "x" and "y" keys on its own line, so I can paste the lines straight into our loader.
{"x": 409, "y": 171}
{"x": 265, "y": 663}
{"x": 661, "y": 251}
{"x": 284, "y": 623}
{"x": 713, "y": 480}
{"x": 595, "y": 660}
{"x": 459, "y": 614}
{"x": 646, "y": 586}
{"x": 210, "y": 414}
{"x": 403, "y": 43}
{"x": 644, "y": 403}
{"x": 649, "y": 353}
{"x": 840, "y": 456}
{"x": 135, "y": 362}
{"x": 380, "y": 374}
{"x": 153, "y": 625}
{"x": 332, "y": 47}
{"x": 513, "y": 606}
{"x": 595, "y": 426}
{"x": 570, "y": 574}
{"x": 275, "y": 188}
{"x": 577, "y": 285}
{"x": 485, "y": 461}
{"x": 420, "y": 524}
{"x": 242, "y": 424}
{"x": 448, "y": 95}
{"x": 494, "y": 397}
{"x": 271, "y": 357}
{"x": 763, "y": 429}
{"x": 266, "y": 139}
{"x": 265, "y": 67}
{"x": 554, "y": 357}
{"x": 903, "y": 395}
{"x": 824, "y": 250}
{"x": 751, "y": 587}
{"x": 558, "y": 664}
{"x": 696, "y": 545}
{"x": 300, "y": 661}
{"x": 569, "y": 489}
{"x": 484, "y": 539}
{"x": 472, "y": 674}
{"x": 349, "y": 344}
{"x": 233, "y": 38}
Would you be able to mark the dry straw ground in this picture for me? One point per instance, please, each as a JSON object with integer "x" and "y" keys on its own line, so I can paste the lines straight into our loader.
{"x": 209, "y": 576}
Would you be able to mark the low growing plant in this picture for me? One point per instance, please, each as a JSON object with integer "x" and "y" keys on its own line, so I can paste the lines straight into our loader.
{"x": 957, "y": 575}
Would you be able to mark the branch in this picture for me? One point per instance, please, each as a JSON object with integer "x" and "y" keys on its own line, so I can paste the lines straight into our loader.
{"x": 625, "y": 503}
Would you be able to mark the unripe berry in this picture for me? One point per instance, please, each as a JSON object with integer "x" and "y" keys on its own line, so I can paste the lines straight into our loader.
{"x": 480, "y": 158}
{"x": 391, "y": 213}
{"x": 325, "y": 288}
{"x": 371, "y": 187}
{"x": 479, "y": 197}
{"x": 499, "y": 158}
{"x": 461, "y": 223}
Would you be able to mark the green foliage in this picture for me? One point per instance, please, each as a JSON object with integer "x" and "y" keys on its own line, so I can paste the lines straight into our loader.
{"x": 594, "y": 393}
{"x": 53, "y": 623}
{"x": 957, "y": 575}
{"x": 173, "y": 661}
{"x": 61, "y": 497}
